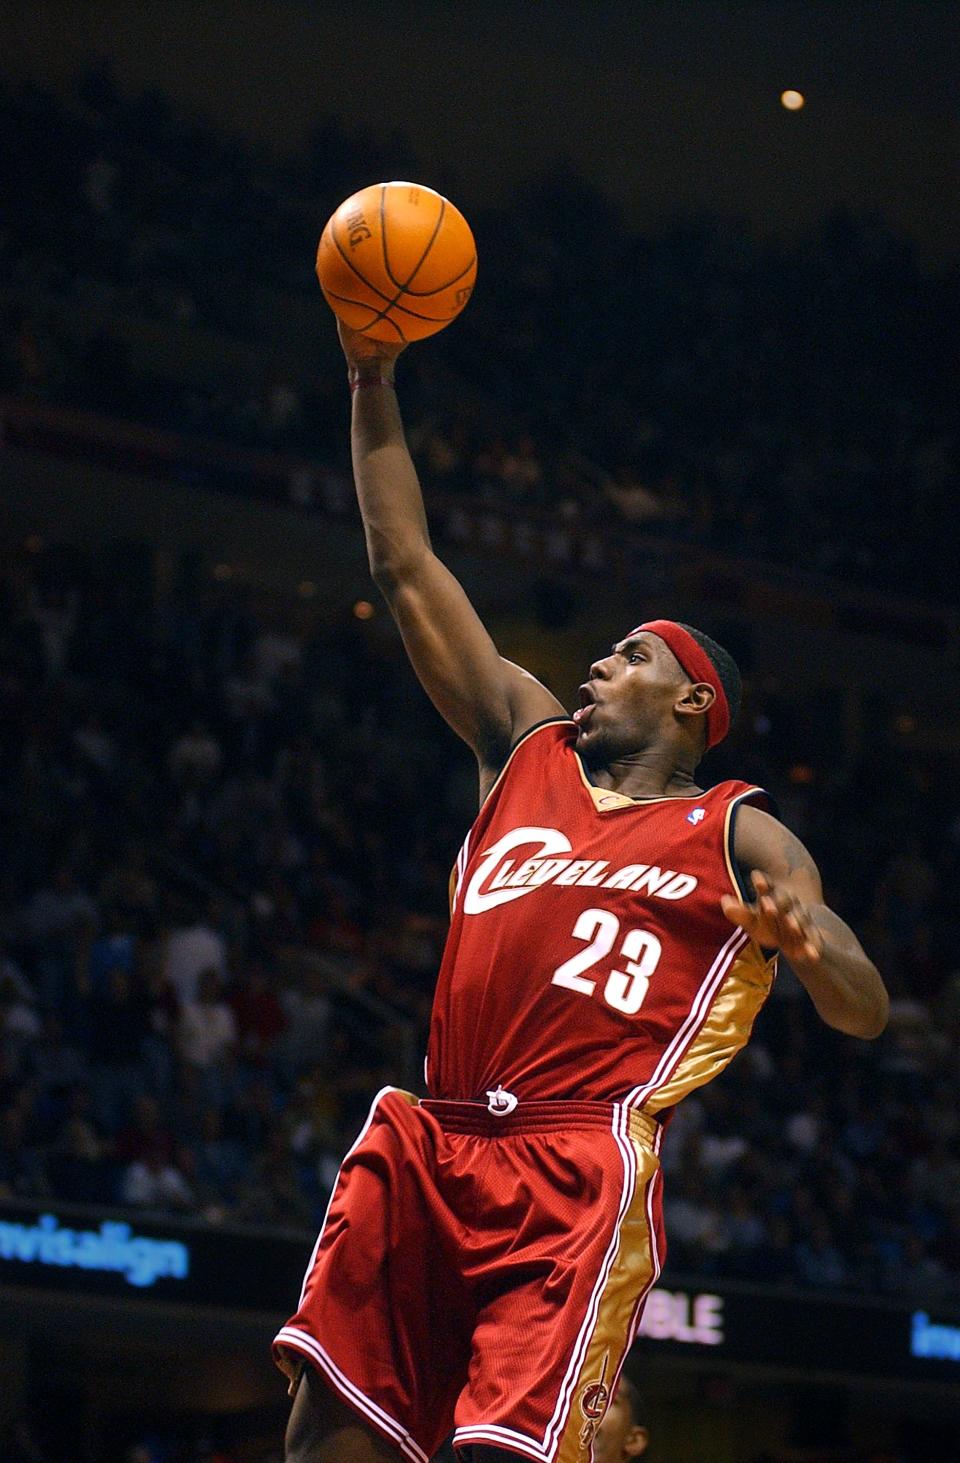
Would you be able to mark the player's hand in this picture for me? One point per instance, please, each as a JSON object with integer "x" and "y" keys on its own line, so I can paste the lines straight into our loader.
{"x": 361, "y": 350}
{"x": 777, "y": 919}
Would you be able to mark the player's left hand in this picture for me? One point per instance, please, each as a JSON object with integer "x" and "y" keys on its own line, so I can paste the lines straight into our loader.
{"x": 777, "y": 919}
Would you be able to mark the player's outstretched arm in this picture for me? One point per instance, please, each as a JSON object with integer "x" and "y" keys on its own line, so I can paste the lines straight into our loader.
{"x": 789, "y": 914}
{"x": 487, "y": 700}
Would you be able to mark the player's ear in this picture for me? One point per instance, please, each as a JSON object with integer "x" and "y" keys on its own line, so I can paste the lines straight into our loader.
{"x": 636, "y": 1442}
{"x": 696, "y": 699}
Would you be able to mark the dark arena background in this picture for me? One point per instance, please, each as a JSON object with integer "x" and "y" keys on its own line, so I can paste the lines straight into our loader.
{"x": 710, "y": 370}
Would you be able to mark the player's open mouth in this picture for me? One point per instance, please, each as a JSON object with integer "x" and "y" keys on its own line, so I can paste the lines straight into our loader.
{"x": 586, "y": 707}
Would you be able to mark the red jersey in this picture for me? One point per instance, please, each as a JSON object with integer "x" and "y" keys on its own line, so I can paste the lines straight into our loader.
{"x": 588, "y": 955}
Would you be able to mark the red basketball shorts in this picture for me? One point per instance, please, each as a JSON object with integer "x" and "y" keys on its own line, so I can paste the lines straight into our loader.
{"x": 484, "y": 1273}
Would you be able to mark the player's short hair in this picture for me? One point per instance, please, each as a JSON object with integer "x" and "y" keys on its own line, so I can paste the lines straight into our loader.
{"x": 636, "y": 1403}
{"x": 725, "y": 667}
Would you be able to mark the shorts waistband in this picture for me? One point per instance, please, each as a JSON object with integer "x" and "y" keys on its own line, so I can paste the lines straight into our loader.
{"x": 543, "y": 1116}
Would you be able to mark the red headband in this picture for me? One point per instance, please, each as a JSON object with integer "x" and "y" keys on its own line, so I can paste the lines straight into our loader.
{"x": 699, "y": 667}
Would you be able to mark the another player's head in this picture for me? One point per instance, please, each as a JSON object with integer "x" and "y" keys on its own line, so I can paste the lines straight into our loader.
{"x": 665, "y": 685}
{"x": 623, "y": 1433}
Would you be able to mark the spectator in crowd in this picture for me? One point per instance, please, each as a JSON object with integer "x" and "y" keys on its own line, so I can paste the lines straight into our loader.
{"x": 156, "y": 1182}
{"x": 192, "y": 949}
{"x": 624, "y": 1432}
{"x": 207, "y": 1035}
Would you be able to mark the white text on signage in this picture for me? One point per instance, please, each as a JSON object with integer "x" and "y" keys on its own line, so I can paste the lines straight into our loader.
{"x": 675, "y": 1315}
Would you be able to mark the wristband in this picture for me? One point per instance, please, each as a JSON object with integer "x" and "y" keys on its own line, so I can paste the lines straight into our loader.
{"x": 359, "y": 381}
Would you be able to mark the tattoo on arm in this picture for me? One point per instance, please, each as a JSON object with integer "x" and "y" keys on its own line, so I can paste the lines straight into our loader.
{"x": 763, "y": 843}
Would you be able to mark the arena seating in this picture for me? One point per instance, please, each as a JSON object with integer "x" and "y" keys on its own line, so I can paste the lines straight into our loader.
{"x": 203, "y": 897}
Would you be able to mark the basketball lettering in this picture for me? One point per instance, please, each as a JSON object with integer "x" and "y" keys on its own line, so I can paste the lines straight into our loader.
{"x": 358, "y": 229}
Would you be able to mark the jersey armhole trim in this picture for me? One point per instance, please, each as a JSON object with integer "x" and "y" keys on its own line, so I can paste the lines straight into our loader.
{"x": 752, "y": 795}
{"x": 547, "y": 721}
{"x": 743, "y": 893}
{"x": 530, "y": 731}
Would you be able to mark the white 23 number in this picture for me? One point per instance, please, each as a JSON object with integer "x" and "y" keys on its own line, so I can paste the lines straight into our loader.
{"x": 640, "y": 952}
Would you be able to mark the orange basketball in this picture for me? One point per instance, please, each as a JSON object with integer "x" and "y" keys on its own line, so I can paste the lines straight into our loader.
{"x": 397, "y": 261}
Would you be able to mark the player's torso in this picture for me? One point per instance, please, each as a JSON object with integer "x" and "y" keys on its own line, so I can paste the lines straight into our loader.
{"x": 588, "y": 956}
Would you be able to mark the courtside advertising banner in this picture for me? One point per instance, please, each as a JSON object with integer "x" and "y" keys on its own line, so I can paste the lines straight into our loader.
{"x": 151, "y": 1261}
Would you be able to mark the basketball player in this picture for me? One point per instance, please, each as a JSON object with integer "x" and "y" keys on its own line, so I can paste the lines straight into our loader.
{"x": 614, "y": 931}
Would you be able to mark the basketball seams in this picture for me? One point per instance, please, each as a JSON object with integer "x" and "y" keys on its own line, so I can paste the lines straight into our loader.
{"x": 384, "y": 314}
{"x": 389, "y": 304}
{"x": 377, "y": 315}
{"x": 430, "y": 243}
{"x": 424, "y": 294}
{"x": 404, "y": 285}
{"x": 353, "y": 268}
{"x": 415, "y": 314}
{"x": 392, "y": 323}
{"x": 364, "y": 304}
{"x": 383, "y": 237}
{"x": 345, "y": 299}
{"x": 398, "y": 304}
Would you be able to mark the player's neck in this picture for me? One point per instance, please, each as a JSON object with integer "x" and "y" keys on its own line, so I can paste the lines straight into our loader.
{"x": 651, "y": 773}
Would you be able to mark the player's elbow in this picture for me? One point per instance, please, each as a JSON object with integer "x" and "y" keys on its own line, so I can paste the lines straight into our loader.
{"x": 394, "y": 565}
{"x": 868, "y": 1018}
{"x": 852, "y": 999}
{"x": 864, "y": 1027}
{"x": 879, "y": 1015}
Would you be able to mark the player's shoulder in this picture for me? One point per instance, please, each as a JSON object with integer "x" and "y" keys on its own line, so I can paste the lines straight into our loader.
{"x": 763, "y": 841}
{"x": 740, "y": 804}
{"x": 743, "y": 794}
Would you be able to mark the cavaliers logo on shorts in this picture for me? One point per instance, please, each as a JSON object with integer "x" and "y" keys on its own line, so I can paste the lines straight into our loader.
{"x": 594, "y": 1399}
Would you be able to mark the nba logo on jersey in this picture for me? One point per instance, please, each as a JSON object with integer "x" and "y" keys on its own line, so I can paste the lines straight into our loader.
{"x": 697, "y": 816}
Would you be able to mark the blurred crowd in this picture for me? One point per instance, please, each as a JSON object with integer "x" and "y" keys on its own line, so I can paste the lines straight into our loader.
{"x": 223, "y": 905}
{"x": 223, "y": 888}
{"x": 204, "y": 811}
{"x": 794, "y": 401}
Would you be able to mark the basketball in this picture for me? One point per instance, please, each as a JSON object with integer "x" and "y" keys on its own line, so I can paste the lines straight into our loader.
{"x": 397, "y": 261}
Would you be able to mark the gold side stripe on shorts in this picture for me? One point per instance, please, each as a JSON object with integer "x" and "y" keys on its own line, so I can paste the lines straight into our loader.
{"x": 632, "y": 1271}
